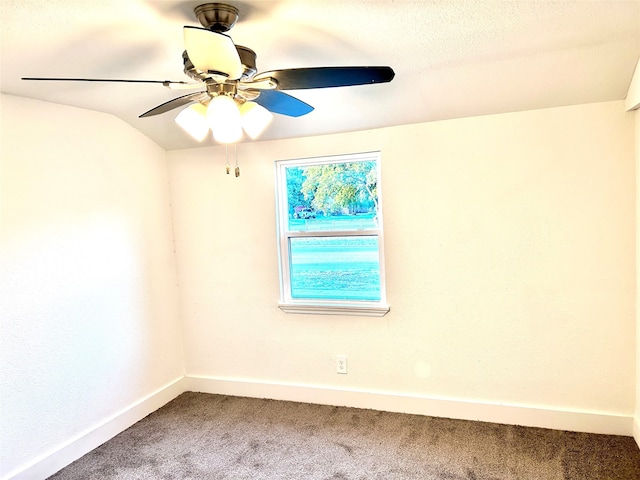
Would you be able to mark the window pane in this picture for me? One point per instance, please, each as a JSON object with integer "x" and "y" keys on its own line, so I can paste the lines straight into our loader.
{"x": 332, "y": 196}
{"x": 336, "y": 268}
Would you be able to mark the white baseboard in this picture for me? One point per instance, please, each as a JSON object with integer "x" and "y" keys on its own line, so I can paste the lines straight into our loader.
{"x": 525, "y": 415}
{"x": 531, "y": 416}
{"x": 48, "y": 464}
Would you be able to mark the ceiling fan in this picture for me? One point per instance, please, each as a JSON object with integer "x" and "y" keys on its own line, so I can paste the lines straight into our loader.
{"x": 232, "y": 96}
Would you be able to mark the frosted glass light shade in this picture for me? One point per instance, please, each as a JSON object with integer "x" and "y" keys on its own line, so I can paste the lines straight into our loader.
{"x": 224, "y": 119}
{"x": 193, "y": 120}
{"x": 255, "y": 118}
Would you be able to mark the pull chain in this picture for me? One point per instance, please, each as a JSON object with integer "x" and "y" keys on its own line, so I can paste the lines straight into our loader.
{"x": 235, "y": 148}
{"x": 226, "y": 155}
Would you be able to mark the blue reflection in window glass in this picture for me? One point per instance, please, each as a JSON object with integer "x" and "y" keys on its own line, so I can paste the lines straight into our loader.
{"x": 337, "y": 268}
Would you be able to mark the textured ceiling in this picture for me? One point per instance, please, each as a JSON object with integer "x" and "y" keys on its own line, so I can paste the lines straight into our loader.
{"x": 451, "y": 58}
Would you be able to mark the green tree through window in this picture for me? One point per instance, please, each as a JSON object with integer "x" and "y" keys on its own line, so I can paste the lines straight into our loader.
{"x": 341, "y": 185}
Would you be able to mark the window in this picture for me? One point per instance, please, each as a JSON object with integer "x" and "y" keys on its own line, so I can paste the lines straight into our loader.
{"x": 330, "y": 235}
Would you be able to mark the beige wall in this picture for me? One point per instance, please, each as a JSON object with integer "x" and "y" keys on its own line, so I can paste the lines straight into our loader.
{"x": 636, "y": 426}
{"x": 508, "y": 247}
{"x": 88, "y": 291}
{"x": 632, "y": 102}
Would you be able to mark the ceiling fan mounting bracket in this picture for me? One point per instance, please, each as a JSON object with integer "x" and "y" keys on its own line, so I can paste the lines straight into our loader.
{"x": 218, "y": 17}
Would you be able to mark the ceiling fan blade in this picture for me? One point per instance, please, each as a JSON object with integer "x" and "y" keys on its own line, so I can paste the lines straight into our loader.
{"x": 325, "y": 77}
{"x": 166, "y": 83}
{"x": 280, "y": 102}
{"x": 175, "y": 103}
{"x": 212, "y": 52}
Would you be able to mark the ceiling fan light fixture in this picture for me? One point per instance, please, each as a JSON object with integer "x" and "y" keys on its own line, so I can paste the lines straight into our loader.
{"x": 223, "y": 117}
{"x": 193, "y": 120}
{"x": 255, "y": 118}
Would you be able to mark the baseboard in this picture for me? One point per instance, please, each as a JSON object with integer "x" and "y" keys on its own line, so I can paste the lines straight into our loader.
{"x": 531, "y": 416}
{"x": 48, "y": 464}
{"x": 525, "y": 415}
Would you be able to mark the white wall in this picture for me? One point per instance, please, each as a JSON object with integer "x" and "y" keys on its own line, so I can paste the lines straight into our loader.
{"x": 636, "y": 425}
{"x": 632, "y": 103}
{"x": 89, "y": 298}
{"x": 508, "y": 247}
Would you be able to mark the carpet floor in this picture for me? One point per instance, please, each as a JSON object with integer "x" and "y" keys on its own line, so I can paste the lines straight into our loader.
{"x": 201, "y": 436}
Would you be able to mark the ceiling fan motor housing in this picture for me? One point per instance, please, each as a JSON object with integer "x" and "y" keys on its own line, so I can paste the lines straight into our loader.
{"x": 218, "y": 17}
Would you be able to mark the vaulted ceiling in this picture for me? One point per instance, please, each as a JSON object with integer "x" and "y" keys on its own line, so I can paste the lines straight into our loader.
{"x": 452, "y": 58}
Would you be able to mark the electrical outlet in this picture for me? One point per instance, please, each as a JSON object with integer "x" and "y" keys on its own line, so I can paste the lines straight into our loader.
{"x": 341, "y": 363}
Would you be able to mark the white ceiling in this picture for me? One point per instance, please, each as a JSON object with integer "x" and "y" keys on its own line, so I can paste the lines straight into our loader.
{"x": 452, "y": 59}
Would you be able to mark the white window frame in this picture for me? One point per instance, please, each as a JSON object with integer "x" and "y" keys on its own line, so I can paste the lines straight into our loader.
{"x": 322, "y": 306}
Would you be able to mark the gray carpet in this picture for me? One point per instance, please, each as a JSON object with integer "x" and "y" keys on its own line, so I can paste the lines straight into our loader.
{"x": 201, "y": 436}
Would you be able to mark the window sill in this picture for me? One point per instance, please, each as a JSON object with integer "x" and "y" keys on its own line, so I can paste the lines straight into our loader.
{"x": 361, "y": 310}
